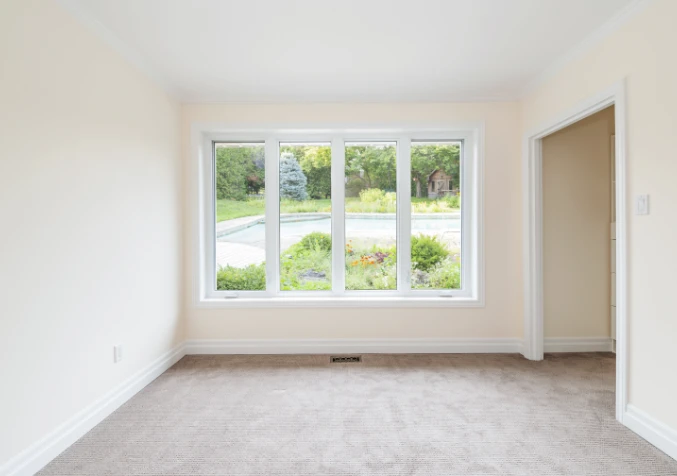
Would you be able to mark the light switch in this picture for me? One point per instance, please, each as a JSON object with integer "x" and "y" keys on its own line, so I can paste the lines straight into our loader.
{"x": 642, "y": 205}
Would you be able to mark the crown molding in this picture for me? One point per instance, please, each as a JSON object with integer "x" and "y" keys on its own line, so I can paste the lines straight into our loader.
{"x": 595, "y": 38}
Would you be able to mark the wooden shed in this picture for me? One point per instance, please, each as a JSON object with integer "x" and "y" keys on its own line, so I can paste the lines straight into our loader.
{"x": 439, "y": 184}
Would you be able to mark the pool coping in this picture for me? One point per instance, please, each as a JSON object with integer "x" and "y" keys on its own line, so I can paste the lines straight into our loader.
{"x": 228, "y": 227}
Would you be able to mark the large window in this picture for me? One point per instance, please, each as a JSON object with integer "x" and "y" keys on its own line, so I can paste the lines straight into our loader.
{"x": 340, "y": 217}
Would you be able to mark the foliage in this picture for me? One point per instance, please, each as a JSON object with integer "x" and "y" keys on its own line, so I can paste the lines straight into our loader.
{"x": 310, "y": 256}
{"x": 375, "y": 200}
{"x": 292, "y": 179}
{"x": 426, "y": 158}
{"x": 373, "y": 268}
{"x": 316, "y": 164}
{"x": 316, "y": 241}
{"x": 453, "y": 201}
{"x": 251, "y": 278}
{"x": 444, "y": 275}
{"x": 315, "y": 161}
{"x": 370, "y": 166}
{"x": 231, "y": 209}
{"x": 371, "y": 195}
{"x": 306, "y": 266}
{"x": 306, "y": 206}
{"x": 376, "y": 195}
{"x": 439, "y": 205}
{"x": 426, "y": 252}
{"x": 239, "y": 171}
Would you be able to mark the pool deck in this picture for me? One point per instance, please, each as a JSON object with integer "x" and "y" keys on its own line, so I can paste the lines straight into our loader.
{"x": 238, "y": 254}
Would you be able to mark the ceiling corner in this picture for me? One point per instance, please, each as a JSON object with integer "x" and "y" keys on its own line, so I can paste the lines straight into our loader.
{"x": 587, "y": 44}
{"x": 130, "y": 54}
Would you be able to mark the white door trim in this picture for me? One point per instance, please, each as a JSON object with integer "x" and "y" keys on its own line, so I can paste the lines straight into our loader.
{"x": 533, "y": 230}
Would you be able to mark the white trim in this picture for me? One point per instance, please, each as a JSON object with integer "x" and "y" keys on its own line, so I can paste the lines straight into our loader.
{"x": 359, "y": 299}
{"x": 36, "y": 456}
{"x": 363, "y": 346}
{"x": 472, "y": 292}
{"x": 658, "y": 434}
{"x": 338, "y": 214}
{"x": 609, "y": 27}
{"x": 403, "y": 222}
{"x": 578, "y": 344}
{"x": 533, "y": 230}
{"x": 272, "y": 227}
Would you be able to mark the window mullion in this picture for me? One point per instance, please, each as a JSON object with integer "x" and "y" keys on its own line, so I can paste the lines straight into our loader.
{"x": 272, "y": 217}
{"x": 404, "y": 215}
{"x": 209, "y": 219}
{"x": 338, "y": 236}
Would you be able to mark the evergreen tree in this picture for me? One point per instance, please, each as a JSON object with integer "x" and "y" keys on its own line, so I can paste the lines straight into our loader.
{"x": 292, "y": 179}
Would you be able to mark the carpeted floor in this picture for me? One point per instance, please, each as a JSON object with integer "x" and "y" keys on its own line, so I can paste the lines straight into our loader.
{"x": 390, "y": 415}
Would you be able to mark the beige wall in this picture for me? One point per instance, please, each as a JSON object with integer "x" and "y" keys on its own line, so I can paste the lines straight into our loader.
{"x": 643, "y": 51}
{"x": 89, "y": 200}
{"x": 90, "y": 191}
{"x": 502, "y": 316}
{"x": 576, "y": 216}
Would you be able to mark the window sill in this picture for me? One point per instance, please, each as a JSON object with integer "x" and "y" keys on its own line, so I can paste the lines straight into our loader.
{"x": 340, "y": 302}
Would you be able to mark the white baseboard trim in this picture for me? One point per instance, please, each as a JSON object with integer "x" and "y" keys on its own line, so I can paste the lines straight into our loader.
{"x": 578, "y": 344}
{"x": 658, "y": 434}
{"x": 36, "y": 456}
{"x": 364, "y": 346}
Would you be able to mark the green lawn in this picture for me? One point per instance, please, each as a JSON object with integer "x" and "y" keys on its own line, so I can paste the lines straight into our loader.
{"x": 231, "y": 209}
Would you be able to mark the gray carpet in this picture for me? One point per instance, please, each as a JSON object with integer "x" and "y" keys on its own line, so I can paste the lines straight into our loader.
{"x": 390, "y": 415}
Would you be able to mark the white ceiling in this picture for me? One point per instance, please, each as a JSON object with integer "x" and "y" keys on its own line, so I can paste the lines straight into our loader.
{"x": 347, "y": 50}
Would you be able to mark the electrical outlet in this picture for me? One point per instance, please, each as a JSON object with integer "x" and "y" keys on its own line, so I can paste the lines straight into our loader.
{"x": 117, "y": 353}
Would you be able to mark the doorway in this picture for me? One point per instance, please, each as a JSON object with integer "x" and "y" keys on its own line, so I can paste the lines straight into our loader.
{"x": 533, "y": 251}
{"x": 577, "y": 235}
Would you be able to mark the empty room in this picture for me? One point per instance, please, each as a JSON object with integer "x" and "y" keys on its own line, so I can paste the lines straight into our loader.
{"x": 300, "y": 237}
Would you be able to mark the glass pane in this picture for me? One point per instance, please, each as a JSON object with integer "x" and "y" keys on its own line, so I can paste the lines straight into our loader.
{"x": 240, "y": 208}
{"x": 371, "y": 220}
{"x": 305, "y": 217}
{"x": 435, "y": 215}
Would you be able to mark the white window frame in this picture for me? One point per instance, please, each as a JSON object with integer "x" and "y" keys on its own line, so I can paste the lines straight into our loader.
{"x": 472, "y": 292}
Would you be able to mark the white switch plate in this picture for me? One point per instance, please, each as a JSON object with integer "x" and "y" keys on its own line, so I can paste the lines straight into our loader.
{"x": 117, "y": 353}
{"x": 642, "y": 205}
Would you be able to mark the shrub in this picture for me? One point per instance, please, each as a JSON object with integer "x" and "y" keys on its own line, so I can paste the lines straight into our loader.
{"x": 453, "y": 201}
{"x": 310, "y": 255}
{"x": 354, "y": 187}
{"x": 446, "y": 275}
{"x": 251, "y": 278}
{"x": 239, "y": 171}
{"x": 292, "y": 179}
{"x": 371, "y": 195}
{"x": 316, "y": 241}
{"x": 426, "y": 252}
